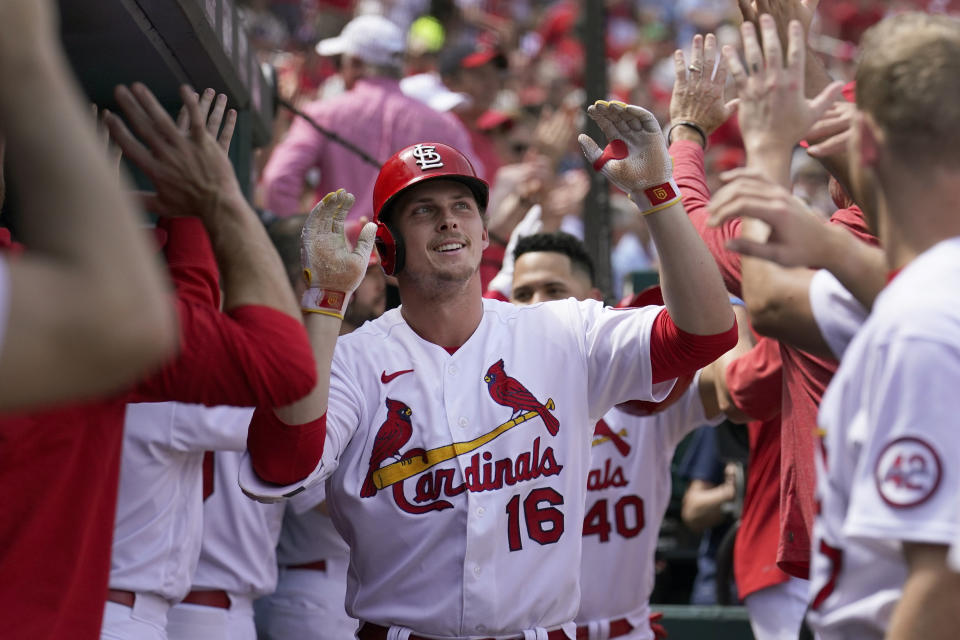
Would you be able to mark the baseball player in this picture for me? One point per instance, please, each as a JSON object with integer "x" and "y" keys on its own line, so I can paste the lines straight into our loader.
{"x": 237, "y": 561}
{"x": 628, "y": 487}
{"x": 254, "y": 351}
{"x": 886, "y": 490}
{"x": 308, "y": 603}
{"x": 456, "y": 447}
{"x": 160, "y": 509}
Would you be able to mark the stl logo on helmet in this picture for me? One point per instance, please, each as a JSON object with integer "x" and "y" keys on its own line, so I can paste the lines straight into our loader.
{"x": 427, "y": 157}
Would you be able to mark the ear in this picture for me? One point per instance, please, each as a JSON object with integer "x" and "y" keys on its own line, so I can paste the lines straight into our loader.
{"x": 485, "y": 237}
{"x": 596, "y": 294}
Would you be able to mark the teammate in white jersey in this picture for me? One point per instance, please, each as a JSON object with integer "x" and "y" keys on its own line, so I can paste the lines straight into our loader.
{"x": 886, "y": 487}
{"x": 238, "y": 561}
{"x": 484, "y": 404}
{"x": 628, "y": 488}
{"x": 159, "y": 522}
{"x": 308, "y": 603}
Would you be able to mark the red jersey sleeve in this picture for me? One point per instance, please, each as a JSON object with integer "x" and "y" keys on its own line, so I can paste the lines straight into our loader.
{"x": 251, "y": 356}
{"x": 190, "y": 260}
{"x": 755, "y": 380}
{"x": 674, "y": 352}
{"x": 853, "y": 221}
{"x": 283, "y": 454}
{"x": 691, "y": 177}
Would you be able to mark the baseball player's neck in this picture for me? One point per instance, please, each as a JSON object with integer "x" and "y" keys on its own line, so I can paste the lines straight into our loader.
{"x": 448, "y": 320}
{"x": 912, "y": 220}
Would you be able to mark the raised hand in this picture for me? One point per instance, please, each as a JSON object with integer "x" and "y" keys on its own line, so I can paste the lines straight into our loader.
{"x": 697, "y": 99}
{"x": 774, "y": 113}
{"x": 830, "y": 135}
{"x": 214, "y": 118}
{"x": 636, "y": 158}
{"x": 189, "y": 168}
{"x": 782, "y": 12}
{"x": 332, "y": 269}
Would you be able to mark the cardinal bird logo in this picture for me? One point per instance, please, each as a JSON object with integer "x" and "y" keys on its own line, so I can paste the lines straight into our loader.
{"x": 393, "y": 434}
{"x": 509, "y": 392}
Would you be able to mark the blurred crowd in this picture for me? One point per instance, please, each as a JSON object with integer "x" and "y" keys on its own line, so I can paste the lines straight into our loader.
{"x": 506, "y": 68}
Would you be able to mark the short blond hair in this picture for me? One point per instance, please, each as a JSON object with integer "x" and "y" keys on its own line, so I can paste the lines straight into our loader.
{"x": 908, "y": 80}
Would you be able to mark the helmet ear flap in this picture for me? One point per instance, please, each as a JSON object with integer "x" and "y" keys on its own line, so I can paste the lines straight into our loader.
{"x": 390, "y": 248}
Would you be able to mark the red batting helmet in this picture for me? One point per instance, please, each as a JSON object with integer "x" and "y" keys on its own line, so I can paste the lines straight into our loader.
{"x": 649, "y": 296}
{"x": 413, "y": 165}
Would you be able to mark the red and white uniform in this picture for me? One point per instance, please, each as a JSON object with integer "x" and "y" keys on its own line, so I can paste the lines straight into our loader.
{"x": 888, "y": 474}
{"x": 469, "y": 545}
{"x": 159, "y": 522}
{"x": 628, "y": 491}
{"x": 308, "y": 603}
{"x": 237, "y": 557}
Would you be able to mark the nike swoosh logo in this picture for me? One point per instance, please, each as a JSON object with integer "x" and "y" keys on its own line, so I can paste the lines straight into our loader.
{"x": 384, "y": 378}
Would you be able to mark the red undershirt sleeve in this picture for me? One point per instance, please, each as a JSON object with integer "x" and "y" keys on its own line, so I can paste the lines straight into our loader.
{"x": 284, "y": 454}
{"x": 674, "y": 352}
{"x": 691, "y": 177}
{"x": 253, "y": 355}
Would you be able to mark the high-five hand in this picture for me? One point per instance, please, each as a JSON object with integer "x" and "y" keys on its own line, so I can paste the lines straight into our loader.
{"x": 636, "y": 158}
{"x": 331, "y": 269}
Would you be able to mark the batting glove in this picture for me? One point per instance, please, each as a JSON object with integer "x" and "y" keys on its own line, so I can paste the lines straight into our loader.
{"x": 331, "y": 269}
{"x": 636, "y": 159}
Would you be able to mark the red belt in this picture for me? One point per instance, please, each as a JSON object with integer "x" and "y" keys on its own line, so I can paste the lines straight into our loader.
{"x": 620, "y": 627}
{"x": 216, "y": 599}
{"x": 319, "y": 565}
{"x": 125, "y": 598}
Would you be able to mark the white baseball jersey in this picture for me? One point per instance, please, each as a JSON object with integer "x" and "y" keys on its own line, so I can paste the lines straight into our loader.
{"x": 308, "y": 604}
{"x": 628, "y": 492}
{"x": 889, "y": 473}
{"x": 838, "y": 314}
{"x": 462, "y": 536}
{"x": 159, "y": 523}
{"x": 238, "y": 555}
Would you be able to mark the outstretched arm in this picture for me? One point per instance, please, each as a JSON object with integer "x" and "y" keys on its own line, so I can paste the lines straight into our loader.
{"x": 89, "y": 309}
{"x": 697, "y": 109}
{"x": 637, "y": 161}
{"x": 332, "y": 272}
{"x": 775, "y": 115}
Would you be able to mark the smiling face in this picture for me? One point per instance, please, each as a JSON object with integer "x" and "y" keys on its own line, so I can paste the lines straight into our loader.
{"x": 443, "y": 234}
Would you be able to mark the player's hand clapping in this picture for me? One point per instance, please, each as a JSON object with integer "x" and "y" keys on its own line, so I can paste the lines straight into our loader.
{"x": 774, "y": 113}
{"x": 188, "y": 165}
{"x": 331, "y": 268}
{"x": 636, "y": 159}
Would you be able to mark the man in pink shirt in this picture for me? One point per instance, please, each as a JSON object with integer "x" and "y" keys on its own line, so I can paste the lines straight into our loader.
{"x": 373, "y": 114}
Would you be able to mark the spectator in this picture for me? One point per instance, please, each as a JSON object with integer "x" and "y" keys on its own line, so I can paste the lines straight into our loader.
{"x": 707, "y": 505}
{"x": 373, "y": 115}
